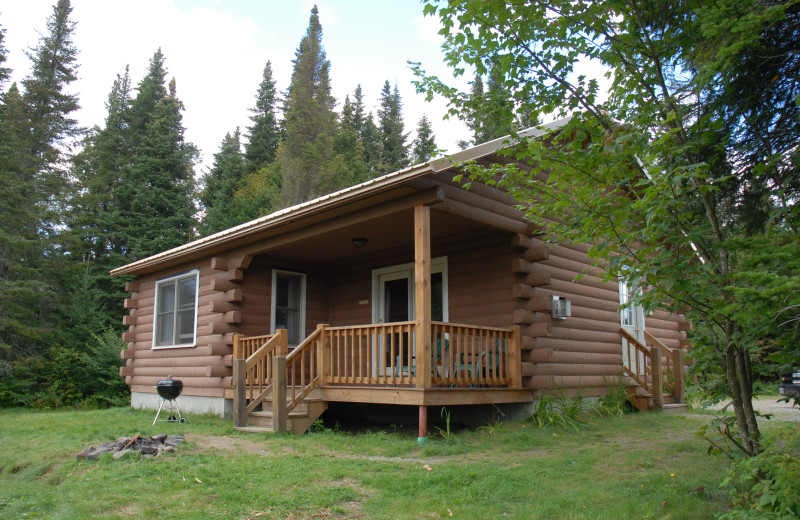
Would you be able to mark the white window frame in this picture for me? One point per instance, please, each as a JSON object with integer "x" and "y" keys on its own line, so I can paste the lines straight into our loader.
{"x": 273, "y": 301}
{"x": 175, "y": 279}
{"x": 438, "y": 265}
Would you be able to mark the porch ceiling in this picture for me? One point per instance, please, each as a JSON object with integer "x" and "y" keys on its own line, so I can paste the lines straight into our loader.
{"x": 393, "y": 232}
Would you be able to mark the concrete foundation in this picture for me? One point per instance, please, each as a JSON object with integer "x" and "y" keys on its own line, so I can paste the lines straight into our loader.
{"x": 186, "y": 403}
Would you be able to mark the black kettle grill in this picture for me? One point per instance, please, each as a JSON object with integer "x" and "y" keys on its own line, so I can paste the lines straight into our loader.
{"x": 169, "y": 389}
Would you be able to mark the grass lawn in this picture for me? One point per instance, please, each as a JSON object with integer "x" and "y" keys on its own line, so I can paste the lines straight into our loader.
{"x": 639, "y": 466}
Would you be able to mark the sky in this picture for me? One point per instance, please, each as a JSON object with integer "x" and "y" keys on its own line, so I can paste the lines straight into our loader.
{"x": 216, "y": 51}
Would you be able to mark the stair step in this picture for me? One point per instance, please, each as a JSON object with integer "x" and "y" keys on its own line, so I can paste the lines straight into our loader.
{"x": 268, "y": 413}
{"x": 253, "y": 429}
{"x": 674, "y": 408}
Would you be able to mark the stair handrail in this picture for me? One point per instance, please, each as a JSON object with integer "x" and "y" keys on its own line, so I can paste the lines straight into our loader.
{"x": 296, "y": 361}
{"x": 673, "y": 367}
{"x": 255, "y": 373}
{"x": 639, "y": 348}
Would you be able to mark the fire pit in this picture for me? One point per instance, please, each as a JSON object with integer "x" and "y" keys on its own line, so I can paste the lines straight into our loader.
{"x": 169, "y": 389}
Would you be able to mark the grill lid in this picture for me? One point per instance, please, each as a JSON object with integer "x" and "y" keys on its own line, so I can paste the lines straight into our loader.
{"x": 169, "y": 388}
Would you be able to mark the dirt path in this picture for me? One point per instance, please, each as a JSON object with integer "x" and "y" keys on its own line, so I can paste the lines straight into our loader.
{"x": 780, "y": 411}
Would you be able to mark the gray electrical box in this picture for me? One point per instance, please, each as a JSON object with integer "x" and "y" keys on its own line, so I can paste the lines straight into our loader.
{"x": 561, "y": 307}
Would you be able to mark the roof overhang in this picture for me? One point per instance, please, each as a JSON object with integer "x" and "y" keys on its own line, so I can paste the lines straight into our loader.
{"x": 263, "y": 226}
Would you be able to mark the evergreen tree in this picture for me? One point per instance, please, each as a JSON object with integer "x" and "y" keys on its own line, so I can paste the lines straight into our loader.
{"x": 154, "y": 206}
{"x": 5, "y": 72}
{"x": 348, "y": 143}
{"x": 309, "y": 166}
{"x": 499, "y": 106}
{"x": 34, "y": 126}
{"x": 425, "y": 144}
{"x": 49, "y": 105}
{"x": 475, "y": 119}
{"x": 264, "y": 135}
{"x": 371, "y": 138}
{"x": 394, "y": 151}
{"x": 220, "y": 184}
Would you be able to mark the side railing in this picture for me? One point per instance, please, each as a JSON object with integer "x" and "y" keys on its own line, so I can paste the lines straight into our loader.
{"x": 656, "y": 369}
{"x": 253, "y": 369}
{"x": 475, "y": 356}
{"x": 672, "y": 366}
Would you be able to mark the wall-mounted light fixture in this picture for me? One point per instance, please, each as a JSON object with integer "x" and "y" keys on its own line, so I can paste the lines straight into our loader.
{"x": 359, "y": 242}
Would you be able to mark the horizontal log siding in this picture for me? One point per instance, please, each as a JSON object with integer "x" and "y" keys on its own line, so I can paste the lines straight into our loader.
{"x": 586, "y": 347}
{"x": 205, "y": 368}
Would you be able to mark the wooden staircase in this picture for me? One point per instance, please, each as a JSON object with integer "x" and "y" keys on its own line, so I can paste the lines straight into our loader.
{"x": 298, "y": 421}
{"x": 643, "y": 400}
{"x": 654, "y": 375}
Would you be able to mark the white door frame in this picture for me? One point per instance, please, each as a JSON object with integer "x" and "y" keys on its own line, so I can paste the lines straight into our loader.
{"x": 398, "y": 272}
{"x": 632, "y": 320}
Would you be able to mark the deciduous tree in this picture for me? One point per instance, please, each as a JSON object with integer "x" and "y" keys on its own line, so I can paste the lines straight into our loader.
{"x": 647, "y": 174}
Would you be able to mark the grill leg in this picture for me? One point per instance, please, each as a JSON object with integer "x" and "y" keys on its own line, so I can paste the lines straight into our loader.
{"x": 159, "y": 411}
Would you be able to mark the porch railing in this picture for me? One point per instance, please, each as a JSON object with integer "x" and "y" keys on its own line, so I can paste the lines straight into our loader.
{"x": 475, "y": 356}
{"x": 376, "y": 355}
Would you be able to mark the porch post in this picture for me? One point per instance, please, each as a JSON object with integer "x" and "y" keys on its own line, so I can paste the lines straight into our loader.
{"x": 422, "y": 293}
{"x": 423, "y": 424}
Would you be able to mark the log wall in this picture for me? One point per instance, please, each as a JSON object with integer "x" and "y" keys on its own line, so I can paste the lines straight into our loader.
{"x": 581, "y": 351}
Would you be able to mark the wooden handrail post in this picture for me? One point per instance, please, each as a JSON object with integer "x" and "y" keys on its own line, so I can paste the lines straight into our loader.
{"x": 320, "y": 347}
{"x": 422, "y": 293}
{"x": 658, "y": 389}
{"x": 239, "y": 390}
{"x": 515, "y": 357}
{"x": 279, "y": 414}
{"x": 283, "y": 345}
{"x": 678, "y": 368}
{"x": 237, "y": 346}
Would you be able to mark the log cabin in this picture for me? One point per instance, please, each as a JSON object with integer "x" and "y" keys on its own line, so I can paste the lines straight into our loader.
{"x": 403, "y": 290}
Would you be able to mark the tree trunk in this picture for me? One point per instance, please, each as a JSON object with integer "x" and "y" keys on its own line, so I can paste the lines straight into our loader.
{"x": 736, "y": 395}
{"x": 746, "y": 386}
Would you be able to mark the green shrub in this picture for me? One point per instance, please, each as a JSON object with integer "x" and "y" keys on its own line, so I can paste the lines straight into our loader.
{"x": 767, "y": 485}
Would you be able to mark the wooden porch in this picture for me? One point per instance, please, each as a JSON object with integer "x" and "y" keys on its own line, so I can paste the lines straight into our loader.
{"x": 657, "y": 373}
{"x": 379, "y": 363}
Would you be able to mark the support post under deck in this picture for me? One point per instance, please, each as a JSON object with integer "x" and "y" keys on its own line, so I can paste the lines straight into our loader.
{"x": 423, "y": 424}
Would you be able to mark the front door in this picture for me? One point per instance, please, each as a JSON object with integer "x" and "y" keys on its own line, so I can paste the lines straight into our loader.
{"x": 396, "y": 304}
{"x": 393, "y": 294}
{"x": 632, "y": 320}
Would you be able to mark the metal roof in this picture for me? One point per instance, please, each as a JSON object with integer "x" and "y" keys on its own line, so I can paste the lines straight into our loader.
{"x": 330, "y": 200}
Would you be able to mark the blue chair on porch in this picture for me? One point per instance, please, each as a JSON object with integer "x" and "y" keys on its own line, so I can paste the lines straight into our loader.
{"x": 478, "y": 366}
{"x": 401, "y": 366}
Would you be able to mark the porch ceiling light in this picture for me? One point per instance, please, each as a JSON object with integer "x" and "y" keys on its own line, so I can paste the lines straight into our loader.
{"x": 359, "y": 242}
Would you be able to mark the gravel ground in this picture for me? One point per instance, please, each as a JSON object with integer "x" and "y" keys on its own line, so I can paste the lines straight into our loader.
{"x": 780, "y": 411}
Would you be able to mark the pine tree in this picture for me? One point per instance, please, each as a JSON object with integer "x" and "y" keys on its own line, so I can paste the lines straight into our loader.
{"x": 34, "y": 128}
{"x": 54, "y": 68}
{"x": 220, "y": 184}
{"x": 309, "y": 166}
{"x": 394, "y": 151}
{"x": 371, "y": 138}
{"x": 154, "y": 199}
{"x": 475, "y": 121}
{"x": 348, "y": 143}
{"x": 424, "y": 144}
{"x": 264, "y": 135}
{"x": 5, "y": 72}
{"x": 499, "y": 115}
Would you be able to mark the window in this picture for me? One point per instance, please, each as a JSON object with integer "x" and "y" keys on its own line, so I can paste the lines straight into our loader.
{"x": 176, "y": 311}
{"x": 289, "y": 304}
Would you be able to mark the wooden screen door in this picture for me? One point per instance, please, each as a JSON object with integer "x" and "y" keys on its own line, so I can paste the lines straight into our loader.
{"x": 632, "y": 320}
